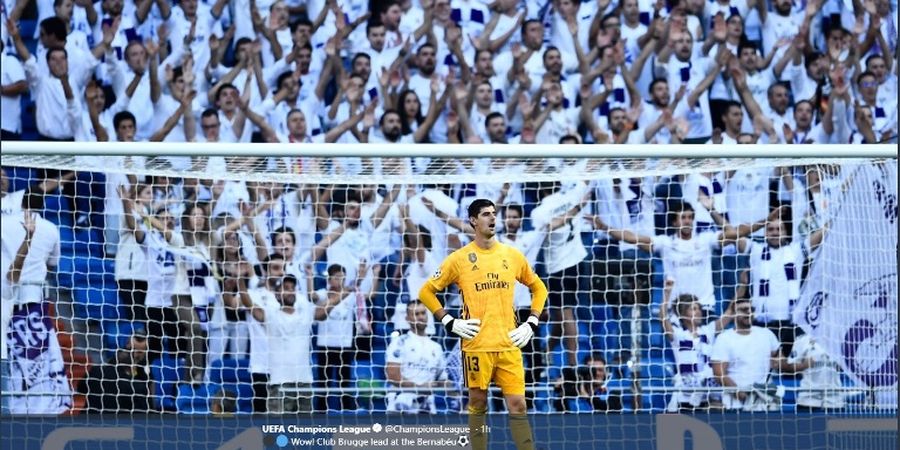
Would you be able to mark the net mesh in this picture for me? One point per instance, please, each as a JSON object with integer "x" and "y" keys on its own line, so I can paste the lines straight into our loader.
{"x": 163, "y": 265}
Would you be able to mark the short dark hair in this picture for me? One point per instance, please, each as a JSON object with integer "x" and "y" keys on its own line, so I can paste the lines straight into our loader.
{"x": 569, "y": 137}
{"x": 288, "y": 230}
{"x": 476, "y": 206}
{"x": 774, "y": 86}
{"x": 528, "y": 22}
{"x": 289, "y": 279}
{"x": 210, "y": 112}
{"x": 303, "y": 21}
{"x": 492, "y": 116}
{"x": 273, "y": 257}
{"x": 804, "y": 101}
{"x": 873, "y": 56}
{"x": 423, "y": 46}
{"x": 677, "y": 207}
{"x": 51, "y": 51}
{"x": 865, "y": 74}
{"x": 242, "y": 41}
{"x": 683, "y": 300}
{"x": 745, "y": 44}
{"x": 514, "y": 207}
{"x": 54, "y": 26}
{"x": 373, "y": 22}
{"x": 282, "y": 78}
{"x": 413, "y": 303}
{"x": 595, "y": 356}
{"x": 612, "y": 15}
{"x": 385, "y": 113}
{"x": 730, "y": 104}
{"x": 358, "y": 56}
{"x": 222, "y": 89}
{"x": 548, "y": 50}
{"x": 334, "y": 269}
{"x": 657, "y": 81}
{"x": 122, "y": 116}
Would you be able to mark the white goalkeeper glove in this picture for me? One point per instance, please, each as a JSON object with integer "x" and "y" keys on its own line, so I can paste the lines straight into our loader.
{"x": 464, "y": 328}
{"x": 523, "y": 333}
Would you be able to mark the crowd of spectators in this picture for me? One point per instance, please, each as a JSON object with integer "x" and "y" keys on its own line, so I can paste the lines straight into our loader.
{"x": 468, "y": 71}
{"x": 307, "y": 281}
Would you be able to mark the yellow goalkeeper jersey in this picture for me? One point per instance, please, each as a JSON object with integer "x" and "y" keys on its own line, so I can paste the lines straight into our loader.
{"x": 486, "y": 280}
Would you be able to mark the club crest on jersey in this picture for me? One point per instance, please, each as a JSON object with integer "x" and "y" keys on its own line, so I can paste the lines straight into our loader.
{"x": 473, "y": 257}
{"x": 437, "y": 274}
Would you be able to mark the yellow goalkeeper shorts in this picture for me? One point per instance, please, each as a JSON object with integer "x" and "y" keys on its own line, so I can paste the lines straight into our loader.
{"x": 506, "y": 369}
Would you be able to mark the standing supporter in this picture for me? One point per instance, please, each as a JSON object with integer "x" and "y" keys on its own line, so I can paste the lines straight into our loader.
{"x": 563, "y": 256}
{"x": 288, "y": 324}
{"x": 692, "y": 342}
{"x": 686, "y": 255}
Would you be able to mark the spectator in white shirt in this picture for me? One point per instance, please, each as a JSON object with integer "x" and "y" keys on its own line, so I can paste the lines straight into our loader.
{"x": 563, "y": 255}
{"x": 12, "y": 86}
{"x": 686, "y": 255}
{"x": 887, "y": 81}
{"x": 335, "y": 350}
{"x": 415, "y": 361}
{"x": 288, "y": 324}
{"x": 48, "y": 91}
{"x": 31, "y": 246}
{"x": 775, "y": 272}
{"x": 741, "y": 359}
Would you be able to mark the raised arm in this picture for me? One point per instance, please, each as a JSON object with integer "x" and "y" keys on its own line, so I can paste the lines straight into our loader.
{"x": 258, "y": 313}
{"x": 434, "y": 110}
{"x": 319, "y": 249}
{"x": 128, "y": 213}
{"x": 664, "y": 310}
{"x": 454, "y": 222}
{"x": 348, "y": 125}
{"x": 172, "y": 121}
{"x": 644, "y": 242}
{"x": 15, "y": 269}
{"x": 385, "y": 206}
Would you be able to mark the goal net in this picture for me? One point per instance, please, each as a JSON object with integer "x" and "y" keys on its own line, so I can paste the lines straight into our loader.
{"x": 207, "y": 285}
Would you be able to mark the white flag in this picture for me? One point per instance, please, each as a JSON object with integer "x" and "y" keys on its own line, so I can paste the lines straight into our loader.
{"x": 849, "y": 301}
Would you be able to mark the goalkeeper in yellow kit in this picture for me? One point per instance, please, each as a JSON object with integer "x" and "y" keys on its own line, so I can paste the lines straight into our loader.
{"x": 486, "y": 272}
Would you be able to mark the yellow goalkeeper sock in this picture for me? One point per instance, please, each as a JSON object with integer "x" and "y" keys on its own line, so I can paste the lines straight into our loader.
{"x": 477, "y": 432}
{"x": 520, "y": 429}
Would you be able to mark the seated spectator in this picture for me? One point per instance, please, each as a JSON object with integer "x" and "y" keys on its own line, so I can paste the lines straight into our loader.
{"x": 592, "y": 386}
{"x": 415, "y": 361}
{"x": 741, "y": 360}
{"x": 120, "y": 384}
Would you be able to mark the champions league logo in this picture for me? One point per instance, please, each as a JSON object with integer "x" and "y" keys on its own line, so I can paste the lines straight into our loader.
{"x": 870, "y": 348}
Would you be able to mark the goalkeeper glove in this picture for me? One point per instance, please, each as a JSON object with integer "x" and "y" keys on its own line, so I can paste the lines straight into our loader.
{"x": 464, "y": 328}
{"x": 521, "y": 335}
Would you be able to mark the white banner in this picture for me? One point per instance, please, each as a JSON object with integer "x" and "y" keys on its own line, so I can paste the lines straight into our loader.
{"x": 849, "y": 301}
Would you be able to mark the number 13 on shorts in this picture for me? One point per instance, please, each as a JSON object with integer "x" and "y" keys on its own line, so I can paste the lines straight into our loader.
{"x": 505, "y": 369}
